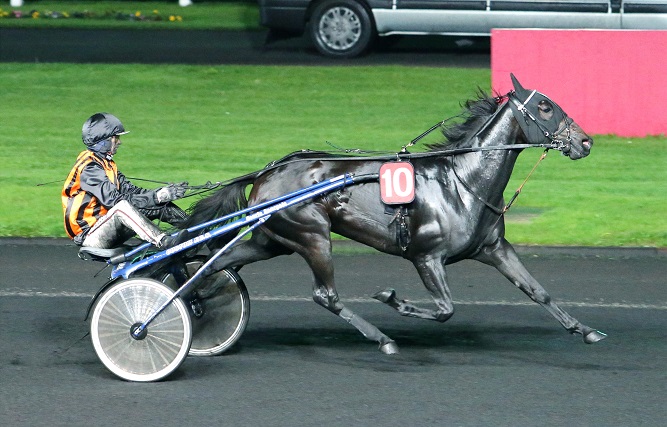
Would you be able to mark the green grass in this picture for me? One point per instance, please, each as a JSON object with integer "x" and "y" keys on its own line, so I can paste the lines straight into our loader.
{"x": 233, "y": 15}
{"x": 201, "y": 123}
{"x": 617, "y": 196}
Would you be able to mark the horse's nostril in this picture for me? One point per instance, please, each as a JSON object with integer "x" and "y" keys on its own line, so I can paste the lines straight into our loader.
{"x": 587, "y": 143}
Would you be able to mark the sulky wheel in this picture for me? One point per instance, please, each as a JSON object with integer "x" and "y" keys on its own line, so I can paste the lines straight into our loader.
{"x": 219, "y": 308}
{"x": 163, "y": 345}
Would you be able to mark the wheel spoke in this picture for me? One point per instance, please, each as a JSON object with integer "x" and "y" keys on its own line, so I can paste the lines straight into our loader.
{"x": 340, "y": 28}
{"x": 166, "y": 341}
{"x": 225, "y": 306}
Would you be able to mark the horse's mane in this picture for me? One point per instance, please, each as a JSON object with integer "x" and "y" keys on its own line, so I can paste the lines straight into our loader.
{"x": 476, "y": 112}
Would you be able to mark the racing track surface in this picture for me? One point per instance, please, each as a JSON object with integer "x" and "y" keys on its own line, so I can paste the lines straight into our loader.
{"x": 500, "y": 361}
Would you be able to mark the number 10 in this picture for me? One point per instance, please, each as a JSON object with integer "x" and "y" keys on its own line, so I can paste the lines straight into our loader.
{"x": 397, "y": 182}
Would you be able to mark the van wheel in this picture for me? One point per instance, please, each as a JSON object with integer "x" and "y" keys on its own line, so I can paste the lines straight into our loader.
{"x": 341, "y": 28}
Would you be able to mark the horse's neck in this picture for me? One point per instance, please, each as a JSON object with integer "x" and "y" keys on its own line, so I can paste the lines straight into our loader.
{"x": 488, "y": 172}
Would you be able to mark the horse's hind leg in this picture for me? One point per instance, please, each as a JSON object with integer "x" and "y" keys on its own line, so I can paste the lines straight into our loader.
{"x": 325, "y": 294}
{"x": 504, "y": 258}
{"x": 434, "y": 276}
{"x": 258, "y": 248}
{"x": 316, "y": 250}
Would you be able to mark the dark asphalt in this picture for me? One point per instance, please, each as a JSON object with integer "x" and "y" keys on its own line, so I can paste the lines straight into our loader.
{"x": 500, "y": 361}
{"x": 225, "y": 47}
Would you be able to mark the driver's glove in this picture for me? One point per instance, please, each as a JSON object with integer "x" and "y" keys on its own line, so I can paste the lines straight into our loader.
{"x": 171, "y": 192}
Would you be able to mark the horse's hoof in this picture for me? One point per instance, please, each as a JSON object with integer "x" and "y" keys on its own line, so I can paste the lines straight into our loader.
{"x": 389, "y": 348}
{"x": 594, "y": 336}
{"x": 385, "y": 296}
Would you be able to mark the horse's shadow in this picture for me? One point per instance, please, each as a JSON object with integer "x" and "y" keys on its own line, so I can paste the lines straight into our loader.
{"x": 430, "y": 345}
{"x": 463, "y": 345}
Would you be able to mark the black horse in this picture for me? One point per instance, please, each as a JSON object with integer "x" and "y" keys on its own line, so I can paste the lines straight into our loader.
{"x": 456, "y": 212}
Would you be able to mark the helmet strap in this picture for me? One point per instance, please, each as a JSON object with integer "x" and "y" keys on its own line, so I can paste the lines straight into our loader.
{"x": 103, "y": 147}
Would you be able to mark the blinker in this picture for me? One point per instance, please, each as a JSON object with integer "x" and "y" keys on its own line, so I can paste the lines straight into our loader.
{"x": 525, "y": 106}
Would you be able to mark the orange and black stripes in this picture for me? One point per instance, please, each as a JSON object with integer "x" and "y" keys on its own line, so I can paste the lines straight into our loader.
{"x": 81, "y": 208}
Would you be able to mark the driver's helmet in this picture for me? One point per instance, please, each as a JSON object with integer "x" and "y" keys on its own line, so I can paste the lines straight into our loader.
{"x": 99, "y": 128}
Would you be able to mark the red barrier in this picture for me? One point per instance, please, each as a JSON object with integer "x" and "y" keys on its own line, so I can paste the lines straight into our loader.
{"x": 608, "y": 81}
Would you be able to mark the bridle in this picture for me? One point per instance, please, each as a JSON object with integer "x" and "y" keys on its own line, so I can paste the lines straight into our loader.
{"x": 562, "y": 145}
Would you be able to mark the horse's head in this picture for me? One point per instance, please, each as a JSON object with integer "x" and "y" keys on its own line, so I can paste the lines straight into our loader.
{"x": 543, "y": 121}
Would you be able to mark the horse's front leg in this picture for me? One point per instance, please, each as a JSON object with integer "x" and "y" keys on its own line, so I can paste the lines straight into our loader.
{"x": 503, "y": 256}
{"x": 434, "y": 276}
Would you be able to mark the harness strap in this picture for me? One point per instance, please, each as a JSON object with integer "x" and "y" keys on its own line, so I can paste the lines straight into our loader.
{"x": 494, "y": 209}
{"x": 500, "y": 211}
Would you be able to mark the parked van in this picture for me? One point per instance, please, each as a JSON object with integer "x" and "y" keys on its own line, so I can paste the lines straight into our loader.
{"x": 347, "y": 28}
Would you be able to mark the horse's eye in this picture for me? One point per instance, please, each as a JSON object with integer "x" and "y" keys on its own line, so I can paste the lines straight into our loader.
{"x": 546, "y": 110}
{"x": 545, "y": 107}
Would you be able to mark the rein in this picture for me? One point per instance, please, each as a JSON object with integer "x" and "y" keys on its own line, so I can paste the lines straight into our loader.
{"x": 198, "y": 189}
{"x": 403, "y": 154}
{"x": 554, "y": 143}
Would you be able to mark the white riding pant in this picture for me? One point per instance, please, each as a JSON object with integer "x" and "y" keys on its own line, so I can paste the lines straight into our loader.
{"x": 119, "y": 224}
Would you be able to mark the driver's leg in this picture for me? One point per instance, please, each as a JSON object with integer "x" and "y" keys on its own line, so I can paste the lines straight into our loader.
{"x": 119, "y": 224}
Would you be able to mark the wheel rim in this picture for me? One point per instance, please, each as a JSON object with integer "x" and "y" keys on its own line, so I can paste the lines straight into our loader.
{"x": 340, "y": 28}
{"x": 226, "y": 308}
{"x": 168, "y": 336}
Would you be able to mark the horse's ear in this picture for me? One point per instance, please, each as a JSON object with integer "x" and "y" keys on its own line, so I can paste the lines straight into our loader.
{"x": 517, "y": 86}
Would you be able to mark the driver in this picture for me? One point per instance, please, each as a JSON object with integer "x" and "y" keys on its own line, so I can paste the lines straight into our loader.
{"x": 102, "y": 208}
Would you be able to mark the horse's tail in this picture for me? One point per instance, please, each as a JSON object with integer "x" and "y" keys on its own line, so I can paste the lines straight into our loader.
{"x": 228, "y": 199}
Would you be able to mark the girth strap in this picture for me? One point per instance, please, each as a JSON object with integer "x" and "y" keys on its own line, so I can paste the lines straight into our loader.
{"x": 400, "y": 213}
